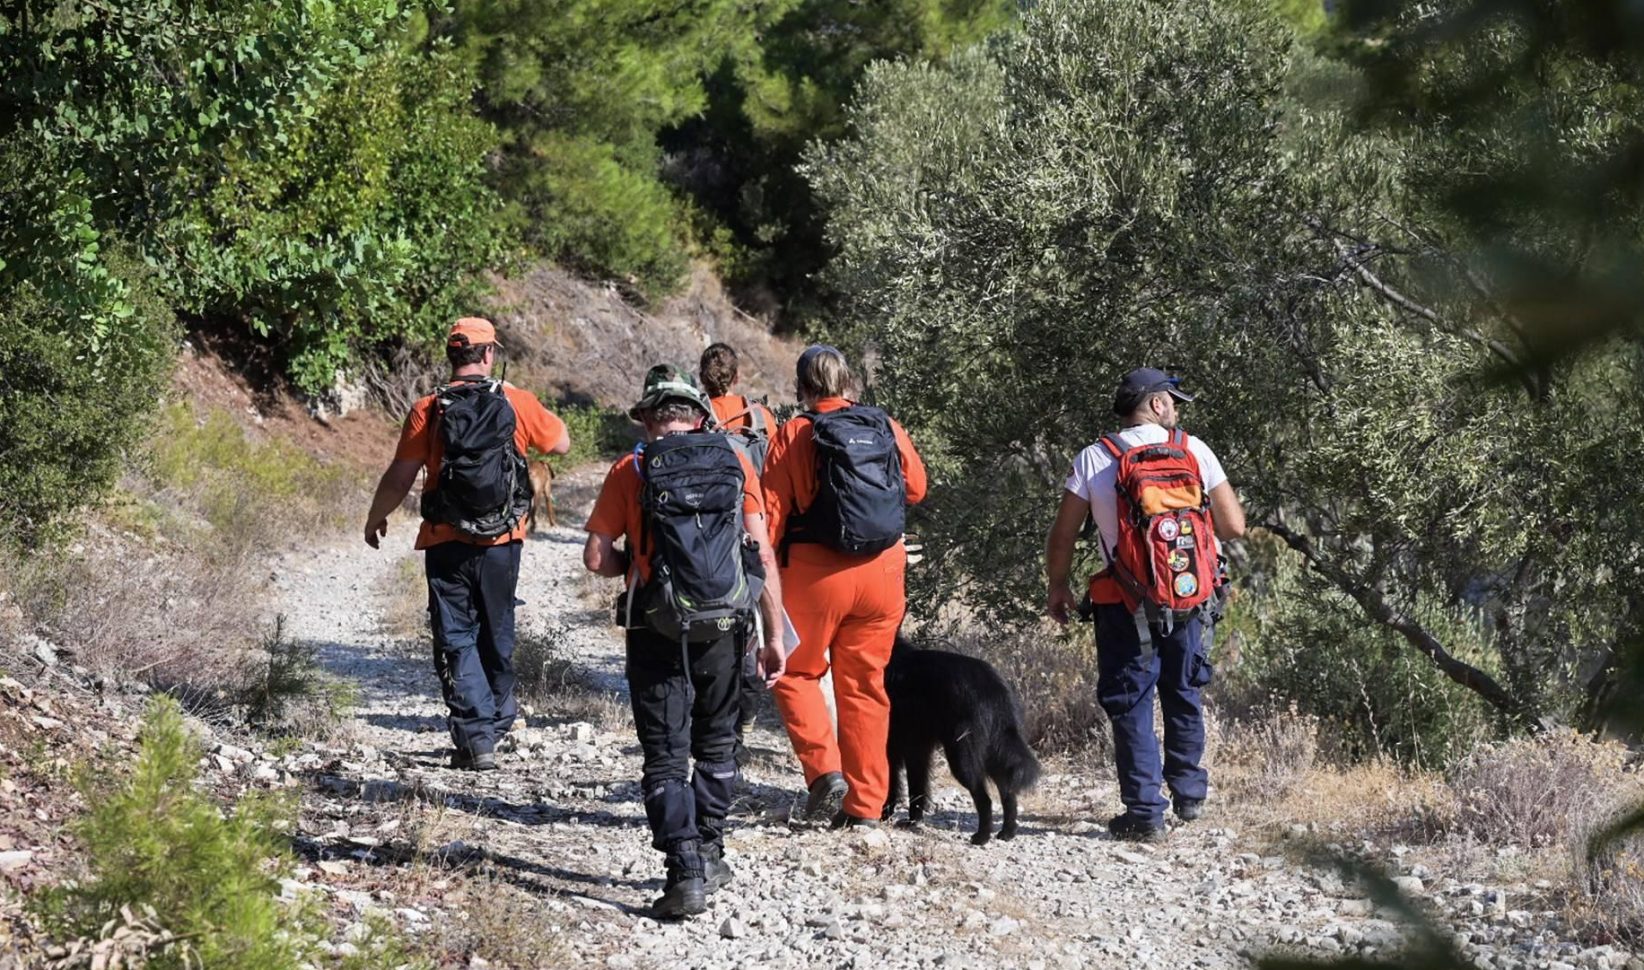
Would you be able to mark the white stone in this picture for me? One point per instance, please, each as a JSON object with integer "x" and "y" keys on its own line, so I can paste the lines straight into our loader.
{"x": 12, "y": 861}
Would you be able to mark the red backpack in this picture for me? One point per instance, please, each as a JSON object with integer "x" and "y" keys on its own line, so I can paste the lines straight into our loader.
{"x": 1166, "y": 559}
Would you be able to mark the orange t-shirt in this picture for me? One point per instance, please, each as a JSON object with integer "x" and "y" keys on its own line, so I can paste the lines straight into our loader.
{"x": 790, "y": 468}
{"x": 617, "y": 513}
{"x": 731, "y": 411}
{"x": 534, "y": 427}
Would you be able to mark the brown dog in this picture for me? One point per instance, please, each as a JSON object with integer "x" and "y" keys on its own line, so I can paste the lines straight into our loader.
{"x": 542, "y": 494}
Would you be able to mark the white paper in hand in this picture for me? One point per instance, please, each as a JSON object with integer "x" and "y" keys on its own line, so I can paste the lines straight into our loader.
{"x": 790, "y": 636}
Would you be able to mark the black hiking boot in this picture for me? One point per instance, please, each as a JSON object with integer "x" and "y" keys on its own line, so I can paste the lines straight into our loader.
{"x": 1134, "y": 829}
{"x": 683, "y": 894}
{"x": 467, "y": 760}
{"x": 716, "y": 872}
{"x": 826, "y": 794}
{"x": 1188, "y": 809}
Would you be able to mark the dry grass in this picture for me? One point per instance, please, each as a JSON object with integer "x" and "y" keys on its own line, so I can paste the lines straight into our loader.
{"x": 485, "y": 916}
{"x": 556, "y": 687}
{"x": 167, "y": 585}
{"x": 1540, "y": 792}
{"x": 404, "y": 598}
{"x": 498, "y": 922}
{"x": 1607, "y": 890}
{"x": 1265, "y": 758}
{"x": 176, "y": 618}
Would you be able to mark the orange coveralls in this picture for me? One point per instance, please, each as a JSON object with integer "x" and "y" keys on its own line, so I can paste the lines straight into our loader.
{"x": 846, "y": 610}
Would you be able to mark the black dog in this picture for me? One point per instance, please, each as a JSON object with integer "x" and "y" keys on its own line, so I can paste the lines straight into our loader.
{"x": 962, "y": 704}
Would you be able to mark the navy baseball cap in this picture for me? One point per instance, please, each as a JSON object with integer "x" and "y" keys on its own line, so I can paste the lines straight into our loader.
{"x": 1135, "y": 386}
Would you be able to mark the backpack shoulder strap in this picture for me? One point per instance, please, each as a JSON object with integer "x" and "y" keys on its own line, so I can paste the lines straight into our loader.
{"x": 1184, "y": 441}
{"x": 1114, "y": 445}
{"x": 756, "y": 416}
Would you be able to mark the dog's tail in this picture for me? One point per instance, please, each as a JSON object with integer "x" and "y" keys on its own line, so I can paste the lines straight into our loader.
{"x": 1018, "y": 767}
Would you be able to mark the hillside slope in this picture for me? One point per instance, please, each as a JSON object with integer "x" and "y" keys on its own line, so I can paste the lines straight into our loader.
{"x": 569, "y": 340}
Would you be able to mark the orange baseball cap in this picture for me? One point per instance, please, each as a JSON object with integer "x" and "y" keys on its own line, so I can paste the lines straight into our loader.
{"x": 470, "y": 331}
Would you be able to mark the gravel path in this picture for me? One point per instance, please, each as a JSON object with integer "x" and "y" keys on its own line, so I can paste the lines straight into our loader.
{"x": 561, "y": 823}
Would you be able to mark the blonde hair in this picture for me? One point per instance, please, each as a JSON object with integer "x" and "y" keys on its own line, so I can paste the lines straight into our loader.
{"x": 822, "y": 372}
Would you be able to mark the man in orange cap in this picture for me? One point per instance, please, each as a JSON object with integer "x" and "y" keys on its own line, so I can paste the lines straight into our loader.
{"x": 471, "y": 437}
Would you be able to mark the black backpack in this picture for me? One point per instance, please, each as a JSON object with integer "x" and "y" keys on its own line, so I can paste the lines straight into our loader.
{"x": 483, "y": 487}
{"x": 703, "y": 583}
{"x": 861, "y": 496}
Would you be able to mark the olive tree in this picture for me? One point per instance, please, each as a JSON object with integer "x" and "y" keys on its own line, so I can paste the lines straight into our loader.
{"x": 1123, "y": 184}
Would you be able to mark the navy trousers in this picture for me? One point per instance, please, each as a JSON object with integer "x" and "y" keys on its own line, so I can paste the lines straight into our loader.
{"x": 471, "y": 611}
{"x": 1135, "y": 661}
{"x": 684, "y": 716}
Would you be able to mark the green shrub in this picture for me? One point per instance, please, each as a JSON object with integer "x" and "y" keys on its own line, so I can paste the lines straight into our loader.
{"x": 291, "y": 695}
{"x": 72, "y": 411}
{"x": 201, "y": 884}
{"x": 597, "y": 434}
{"x": 210, "y": 878}
{"x": 300, "y": 168}
{"x": 581, "y": 204}
{"x": 1304, "y": 643}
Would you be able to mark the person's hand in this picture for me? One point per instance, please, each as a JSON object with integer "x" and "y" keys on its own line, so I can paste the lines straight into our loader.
{"x": 1062, "y": 603}
{"x": 374, "y": 530}
{"x": 772, "y": 660}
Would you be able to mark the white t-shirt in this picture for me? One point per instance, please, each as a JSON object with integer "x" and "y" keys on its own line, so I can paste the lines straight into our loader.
{"x": 1095, "y": 469}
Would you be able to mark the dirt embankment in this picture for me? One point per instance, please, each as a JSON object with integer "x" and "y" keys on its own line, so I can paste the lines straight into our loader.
{"x": 572, "y": 341}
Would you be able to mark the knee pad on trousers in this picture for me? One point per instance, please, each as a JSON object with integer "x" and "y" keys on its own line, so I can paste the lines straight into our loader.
{"x": 670, "y": 808}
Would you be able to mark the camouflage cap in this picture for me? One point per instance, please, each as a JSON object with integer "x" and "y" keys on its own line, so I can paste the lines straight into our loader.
{"x": 667, "y": 382}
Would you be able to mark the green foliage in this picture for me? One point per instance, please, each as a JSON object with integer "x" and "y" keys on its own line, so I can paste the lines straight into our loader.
{"x": 608, "y": 109}
{"x": 152, "y": 840}
{"x": 1123, "y": 184}
{"x": 770, "y": 102}
{"x": 580, "y": 90}
{"x": 597, "y": 434}
{"x": 295, "y": 167}
{"x": 583, "y": 205}
{"x": 1523, "y": 124}
{"x": 78, "y": 398}
{"x": 205, "y": 880}
{"x": 1304, "y": 642}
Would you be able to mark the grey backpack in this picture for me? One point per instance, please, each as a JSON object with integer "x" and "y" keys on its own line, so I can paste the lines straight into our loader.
{"x": 753, "y": 441}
